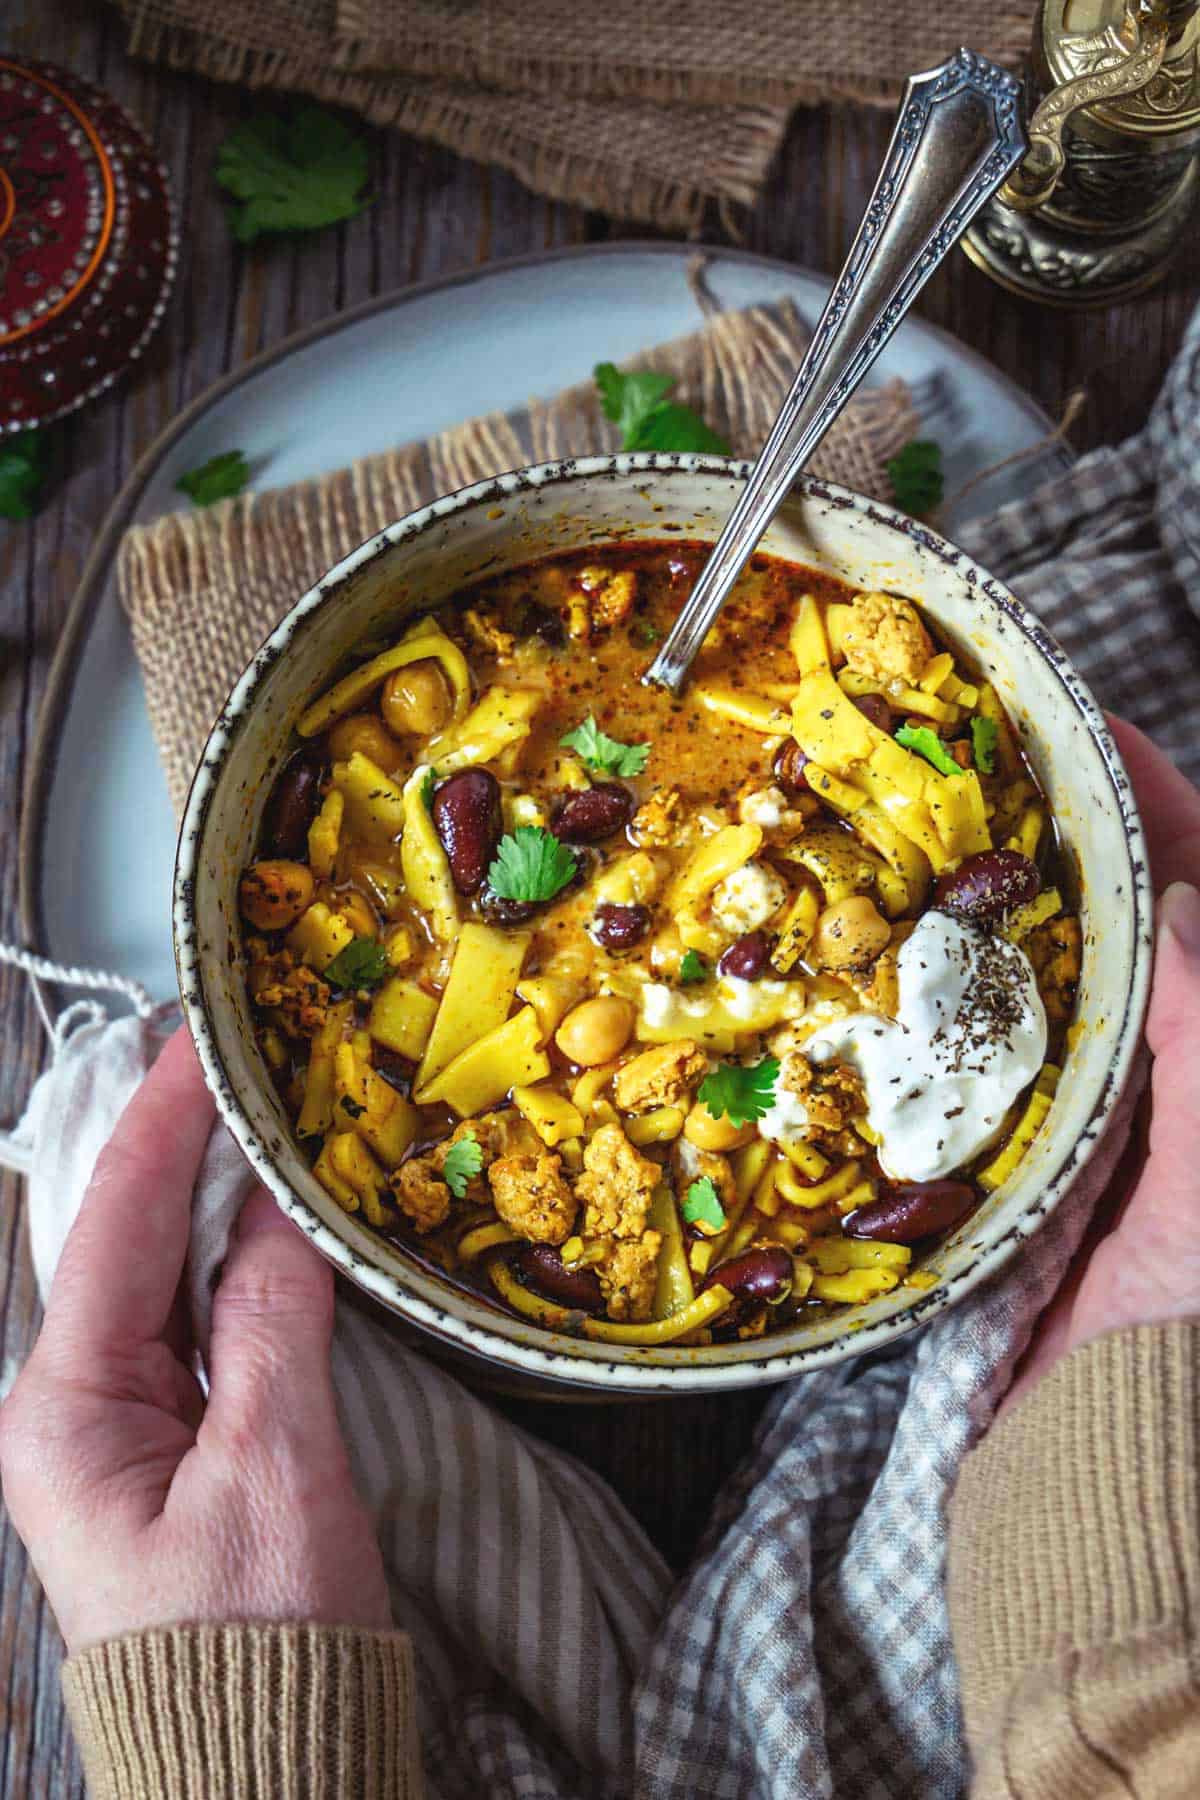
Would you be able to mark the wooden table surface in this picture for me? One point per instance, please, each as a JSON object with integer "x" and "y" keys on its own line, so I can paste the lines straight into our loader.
{"x": 434, "y": 215}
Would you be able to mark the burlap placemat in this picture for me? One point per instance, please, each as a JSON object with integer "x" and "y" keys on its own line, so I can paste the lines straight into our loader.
{"x": 641, "y": 112}
{"x": 203, "y": 588}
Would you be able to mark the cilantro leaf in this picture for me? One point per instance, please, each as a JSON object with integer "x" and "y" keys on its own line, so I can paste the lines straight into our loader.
{"x": 531, "y": 864}
{"x": 362, "y": 964}
{"x": 463, "y": 1160}
{"x": 22, "y": 472}
{"x": 742, "y": 1094}
{"x": 292, "y": 172}
{"x": 692, "y": 968}
{"x": 603, "y": 753}
{"x": 984, "y": 736}
{"x": 915, "y": 473}
{"x": 703, "y": 1206}
{"x": 644, "y": 631}
{"x": 218, "y": 479}
{"x": 637, "y": 403}
{"x": 926, "y": 742}
{"x": 427, "y": 787}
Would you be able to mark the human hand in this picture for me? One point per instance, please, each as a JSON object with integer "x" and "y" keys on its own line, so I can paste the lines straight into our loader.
{"x": 1140, "y": 1262}
{"x": 142, "y": 1503}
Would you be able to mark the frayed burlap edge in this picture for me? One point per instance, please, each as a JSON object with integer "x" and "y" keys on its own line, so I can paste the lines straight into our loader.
{"x": 203, "y": 589}
{"x": 507, "y": 129}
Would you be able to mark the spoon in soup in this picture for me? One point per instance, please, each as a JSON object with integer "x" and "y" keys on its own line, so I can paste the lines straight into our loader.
{"x": 957, "y": 138}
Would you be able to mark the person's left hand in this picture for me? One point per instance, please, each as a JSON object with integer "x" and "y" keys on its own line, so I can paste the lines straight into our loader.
{"x": 140, "y": 1502}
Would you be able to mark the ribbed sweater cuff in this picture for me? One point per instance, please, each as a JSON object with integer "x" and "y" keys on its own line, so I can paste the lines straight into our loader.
{"x": 1076, "y": 1524}
{"x": 197, "y": 1712}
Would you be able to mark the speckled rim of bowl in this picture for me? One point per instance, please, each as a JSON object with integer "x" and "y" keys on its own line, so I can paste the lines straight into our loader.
{"x": 529, "y": 1348}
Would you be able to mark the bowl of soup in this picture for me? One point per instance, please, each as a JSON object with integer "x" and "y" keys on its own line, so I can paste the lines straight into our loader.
{"x": 651, "y": 1043}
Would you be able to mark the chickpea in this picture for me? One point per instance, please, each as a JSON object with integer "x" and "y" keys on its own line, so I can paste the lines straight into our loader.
{"x": 707, "y": 1133}
{"x": 416, "y": 700}
{"x": 272, "y": 895}
{"x": 596, "y": 1030}
{"x": 363, "y": 732}
{"x": 849, "y": 933}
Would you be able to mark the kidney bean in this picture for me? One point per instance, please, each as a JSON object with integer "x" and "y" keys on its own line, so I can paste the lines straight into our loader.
{"x": 499, "y": 911}
{"x": 760, "y": 1276}
{"x": 788, "y": 768}
{"x": 989, "y": 883}
{"x": 540, "y": 1267}
{"x": 295, "y": 800}
{"x": 593, "y": 813}
{"x": 875, "y": 708}
{"x": 911, "y": 1210}
{"x": 747, "y": 958}
{"x": 541, "y": 621}
{"x": 620, "y": 927}
{"x": 468, "y": 820}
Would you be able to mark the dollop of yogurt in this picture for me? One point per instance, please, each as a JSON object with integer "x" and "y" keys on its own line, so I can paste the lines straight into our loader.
{"x": 969, "y": 1035}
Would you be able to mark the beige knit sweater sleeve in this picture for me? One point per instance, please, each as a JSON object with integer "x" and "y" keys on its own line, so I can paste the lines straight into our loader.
{"x": 263, "y": 1712}
{"x": 1075, "y": 1579}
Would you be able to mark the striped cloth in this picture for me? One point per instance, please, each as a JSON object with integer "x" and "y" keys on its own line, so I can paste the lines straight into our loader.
{"x": 807, "y": 1651}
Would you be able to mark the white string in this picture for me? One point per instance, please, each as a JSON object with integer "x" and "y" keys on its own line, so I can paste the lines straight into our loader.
{"x": 16, "y": 1151}
{"x": 101, "y": 980}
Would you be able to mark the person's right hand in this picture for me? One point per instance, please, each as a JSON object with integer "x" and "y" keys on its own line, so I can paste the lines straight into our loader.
{"x": 1140, "y": 1264}
{"x": 141, "y": 1501}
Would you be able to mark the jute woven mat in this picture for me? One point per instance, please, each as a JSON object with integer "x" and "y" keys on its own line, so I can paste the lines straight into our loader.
{"x": 204, "y": 588}
{"x": 644, "y": 112}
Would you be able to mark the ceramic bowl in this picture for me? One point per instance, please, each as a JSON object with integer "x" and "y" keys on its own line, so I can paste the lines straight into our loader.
{"x": 432, "y": 555}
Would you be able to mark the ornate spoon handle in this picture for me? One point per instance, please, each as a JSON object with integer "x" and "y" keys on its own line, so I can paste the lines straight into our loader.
{"x": 956, "y": 139}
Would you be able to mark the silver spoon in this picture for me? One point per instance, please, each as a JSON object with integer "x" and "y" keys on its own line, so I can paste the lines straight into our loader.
{"x": 957, "y": 137}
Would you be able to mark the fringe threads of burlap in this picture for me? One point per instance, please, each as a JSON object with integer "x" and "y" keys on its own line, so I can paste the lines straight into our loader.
{"x": 204, "y": 588}
{"x": 642, "y": 113}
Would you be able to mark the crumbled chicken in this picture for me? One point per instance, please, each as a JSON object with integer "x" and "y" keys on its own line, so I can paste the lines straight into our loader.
{"x": 748, "y": 898}
{"x": 420, "y": 1186}
{"x": 488, "y": 635}
{"x": 616, "y": 1185}
{"x": 290, "y": 989}
{"x": 421, "y": 1194}
{"x": 883, "y": 638}
{"x": 1056, "y": 950}
{"x": 661, "y": 1076}
{"x": 610, "y": 595}
{"x": 628, "y": 1276}
{"x": 657, "y": 821}
{"x": 832, "y": 1095}
{"x": 532, "y": 1198}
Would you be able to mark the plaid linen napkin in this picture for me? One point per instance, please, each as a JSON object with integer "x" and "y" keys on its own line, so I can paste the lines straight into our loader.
{"x": 807, "y": 1652}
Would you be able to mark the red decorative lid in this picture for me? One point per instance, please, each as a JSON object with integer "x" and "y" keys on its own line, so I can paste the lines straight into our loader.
{"x": 87, "y": 243}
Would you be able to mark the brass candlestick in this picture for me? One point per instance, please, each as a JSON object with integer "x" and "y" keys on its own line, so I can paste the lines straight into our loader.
{"x": 1099, "y": 205}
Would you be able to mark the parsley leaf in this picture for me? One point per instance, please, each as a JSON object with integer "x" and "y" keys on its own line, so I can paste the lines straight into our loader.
{"x": 703, "y": 1206}
{"x": 638, "y": 404}
{"x": 926, "y": 742}
{"x": 531, "y": 864}
{"x": 603, "y": 753}
{"x": 22, "y": 472}
{"x": 463, "y": 1160}
{"x": 984, "y": 735}
{"x": 427, "y": 787}
{"x": 692, "y": 968}
{"x": 293, "y": 172}
{"x": 362, "y": 964}
{"x": 645, "y": 632}
{"x": 915, "y": 473}
{"x": 742, "y": 1094}
{"x": 218, "y": 479}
